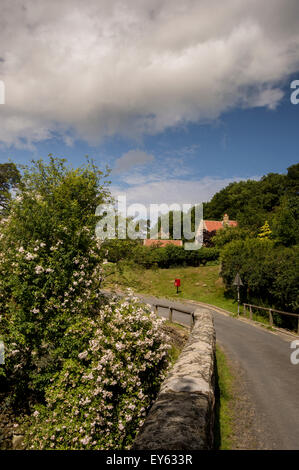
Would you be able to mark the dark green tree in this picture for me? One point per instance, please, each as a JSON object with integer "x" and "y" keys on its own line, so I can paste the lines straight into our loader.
{"x": 9, "y": 179}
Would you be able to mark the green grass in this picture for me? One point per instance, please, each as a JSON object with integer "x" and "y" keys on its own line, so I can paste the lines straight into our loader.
{"x": 197, "y": 283}
{"x": 224, "y": 402}
{"x": 174, "y": 353}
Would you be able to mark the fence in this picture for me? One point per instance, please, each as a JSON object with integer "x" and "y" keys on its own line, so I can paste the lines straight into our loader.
{"x": 177, "y": 309}
{"x": 271, "y": 311}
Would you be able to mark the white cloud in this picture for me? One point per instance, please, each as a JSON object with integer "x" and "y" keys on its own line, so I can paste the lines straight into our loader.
{"x": 133, "y": 158}
{"x": 100, "y": 67}
{"x": 172, "y": 191}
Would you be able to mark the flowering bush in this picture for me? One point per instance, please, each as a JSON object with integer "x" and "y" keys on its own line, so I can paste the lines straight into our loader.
{"x": 87, "y": 370}
{"x": 50, "y": 268}
{"x": 114, "y": 368}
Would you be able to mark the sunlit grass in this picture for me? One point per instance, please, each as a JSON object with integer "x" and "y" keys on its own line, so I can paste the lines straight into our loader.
{"x": 224, "y": 403}
{"x": 197, "y": 283}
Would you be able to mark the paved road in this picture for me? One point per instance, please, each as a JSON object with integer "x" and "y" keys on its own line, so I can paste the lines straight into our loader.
{"x": 271, "y": 381}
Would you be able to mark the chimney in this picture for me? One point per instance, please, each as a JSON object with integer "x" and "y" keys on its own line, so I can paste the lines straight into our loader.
{"x": 225, "y": 222}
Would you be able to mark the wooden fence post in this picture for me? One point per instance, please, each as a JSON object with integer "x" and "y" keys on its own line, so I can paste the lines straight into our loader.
{"x": 244, "y": 310}
{"x": 250, "y": 312}
{"x": 156, "y": 309}
{"x": 270, "y": 317}
{"x": 170, "y": 314}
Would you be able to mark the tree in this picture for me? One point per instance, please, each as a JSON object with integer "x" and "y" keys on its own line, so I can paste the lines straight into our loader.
{"x": 265, "y": 232}
{"x": 228, "y": 234}
{"x": 88, "y": 367}
{"x": 269, "y": 272}
{"x": 9, "y": 178}
{"x": 285, "y": 221}
{"x": 50, "y": 266}
{"x": 293, "y": 179}
{"x": 250, "y": 202}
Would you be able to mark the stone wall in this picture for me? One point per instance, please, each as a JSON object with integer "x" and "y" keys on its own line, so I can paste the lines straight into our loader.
{"x": 182, "y": 417}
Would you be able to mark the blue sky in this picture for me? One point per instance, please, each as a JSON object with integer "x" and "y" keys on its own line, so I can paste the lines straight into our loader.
{"x": 176, "y": 100}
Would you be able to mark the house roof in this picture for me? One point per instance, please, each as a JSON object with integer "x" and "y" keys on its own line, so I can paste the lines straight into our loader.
{"x": 211, "y": 225}
{"x": 150, "y": 242}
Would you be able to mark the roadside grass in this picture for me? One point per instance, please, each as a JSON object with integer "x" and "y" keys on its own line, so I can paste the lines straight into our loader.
{"x": 197, "y": 283}
{"x": 223, "y": 430}
{"x": 261, "y": 319}
{"x": 224, "y": 396}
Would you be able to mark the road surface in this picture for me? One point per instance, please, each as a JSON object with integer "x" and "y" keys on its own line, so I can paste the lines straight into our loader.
{"x": 270, "y": 379}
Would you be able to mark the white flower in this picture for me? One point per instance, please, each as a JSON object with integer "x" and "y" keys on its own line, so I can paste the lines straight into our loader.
{"x": 14, "y": 352}
{"x": 39, "y": 269}
{"x": 87, "y": 377}
{"x": 30, "y": 256}
{"x": 83, "y": 355}
{"x": 85, "y": 440}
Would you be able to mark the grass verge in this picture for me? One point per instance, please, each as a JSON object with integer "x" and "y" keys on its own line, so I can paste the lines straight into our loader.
{"x": 201, "y": 284}
{"x": 224, "y": 402}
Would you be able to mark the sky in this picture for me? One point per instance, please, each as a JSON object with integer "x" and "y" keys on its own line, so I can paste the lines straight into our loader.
{"x": 178, "y": 98}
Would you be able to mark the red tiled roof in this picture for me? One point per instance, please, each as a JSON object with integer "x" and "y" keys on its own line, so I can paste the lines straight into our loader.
{"x": 150, "y": 242}
{"x": 211, "y": 225}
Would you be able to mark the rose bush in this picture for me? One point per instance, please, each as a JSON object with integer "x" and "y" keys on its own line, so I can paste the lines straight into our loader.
{"x": 98, "y": 400}
{"x": 85, "y": 369}
{"x": 50, "y": 268}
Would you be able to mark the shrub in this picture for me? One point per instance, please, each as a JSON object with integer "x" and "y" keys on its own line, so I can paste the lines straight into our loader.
{"x": 269, "y": 272}
{"x": 157, "y": 256}
{"x": 50, "y": 267}
{"x": 99, "y": 399}
{"x": 88, "y": 369}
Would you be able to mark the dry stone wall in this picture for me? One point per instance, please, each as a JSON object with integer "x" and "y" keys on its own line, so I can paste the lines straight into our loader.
{"x": 182, "y": 417}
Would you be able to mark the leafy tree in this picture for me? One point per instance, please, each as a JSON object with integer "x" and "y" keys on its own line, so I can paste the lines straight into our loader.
{"x": 265, "y": 232}
{"x": 269, "y": 272}
{"x": 50, "y": 266}
{"x": 293, "y": 179}
{"x": 9, "y": 178}
{"x": 88, "y": 368}
{"x": 228, "y": 234}
{"x": 250, "y": 202}
{"x": 285, "y": 221}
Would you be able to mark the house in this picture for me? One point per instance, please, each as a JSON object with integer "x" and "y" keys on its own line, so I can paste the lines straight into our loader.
{"x": 211, "y": 225}
{"x": 162, "y": 240}
{"x": 208, "y": 227}
{"x": 151, "y": 242}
